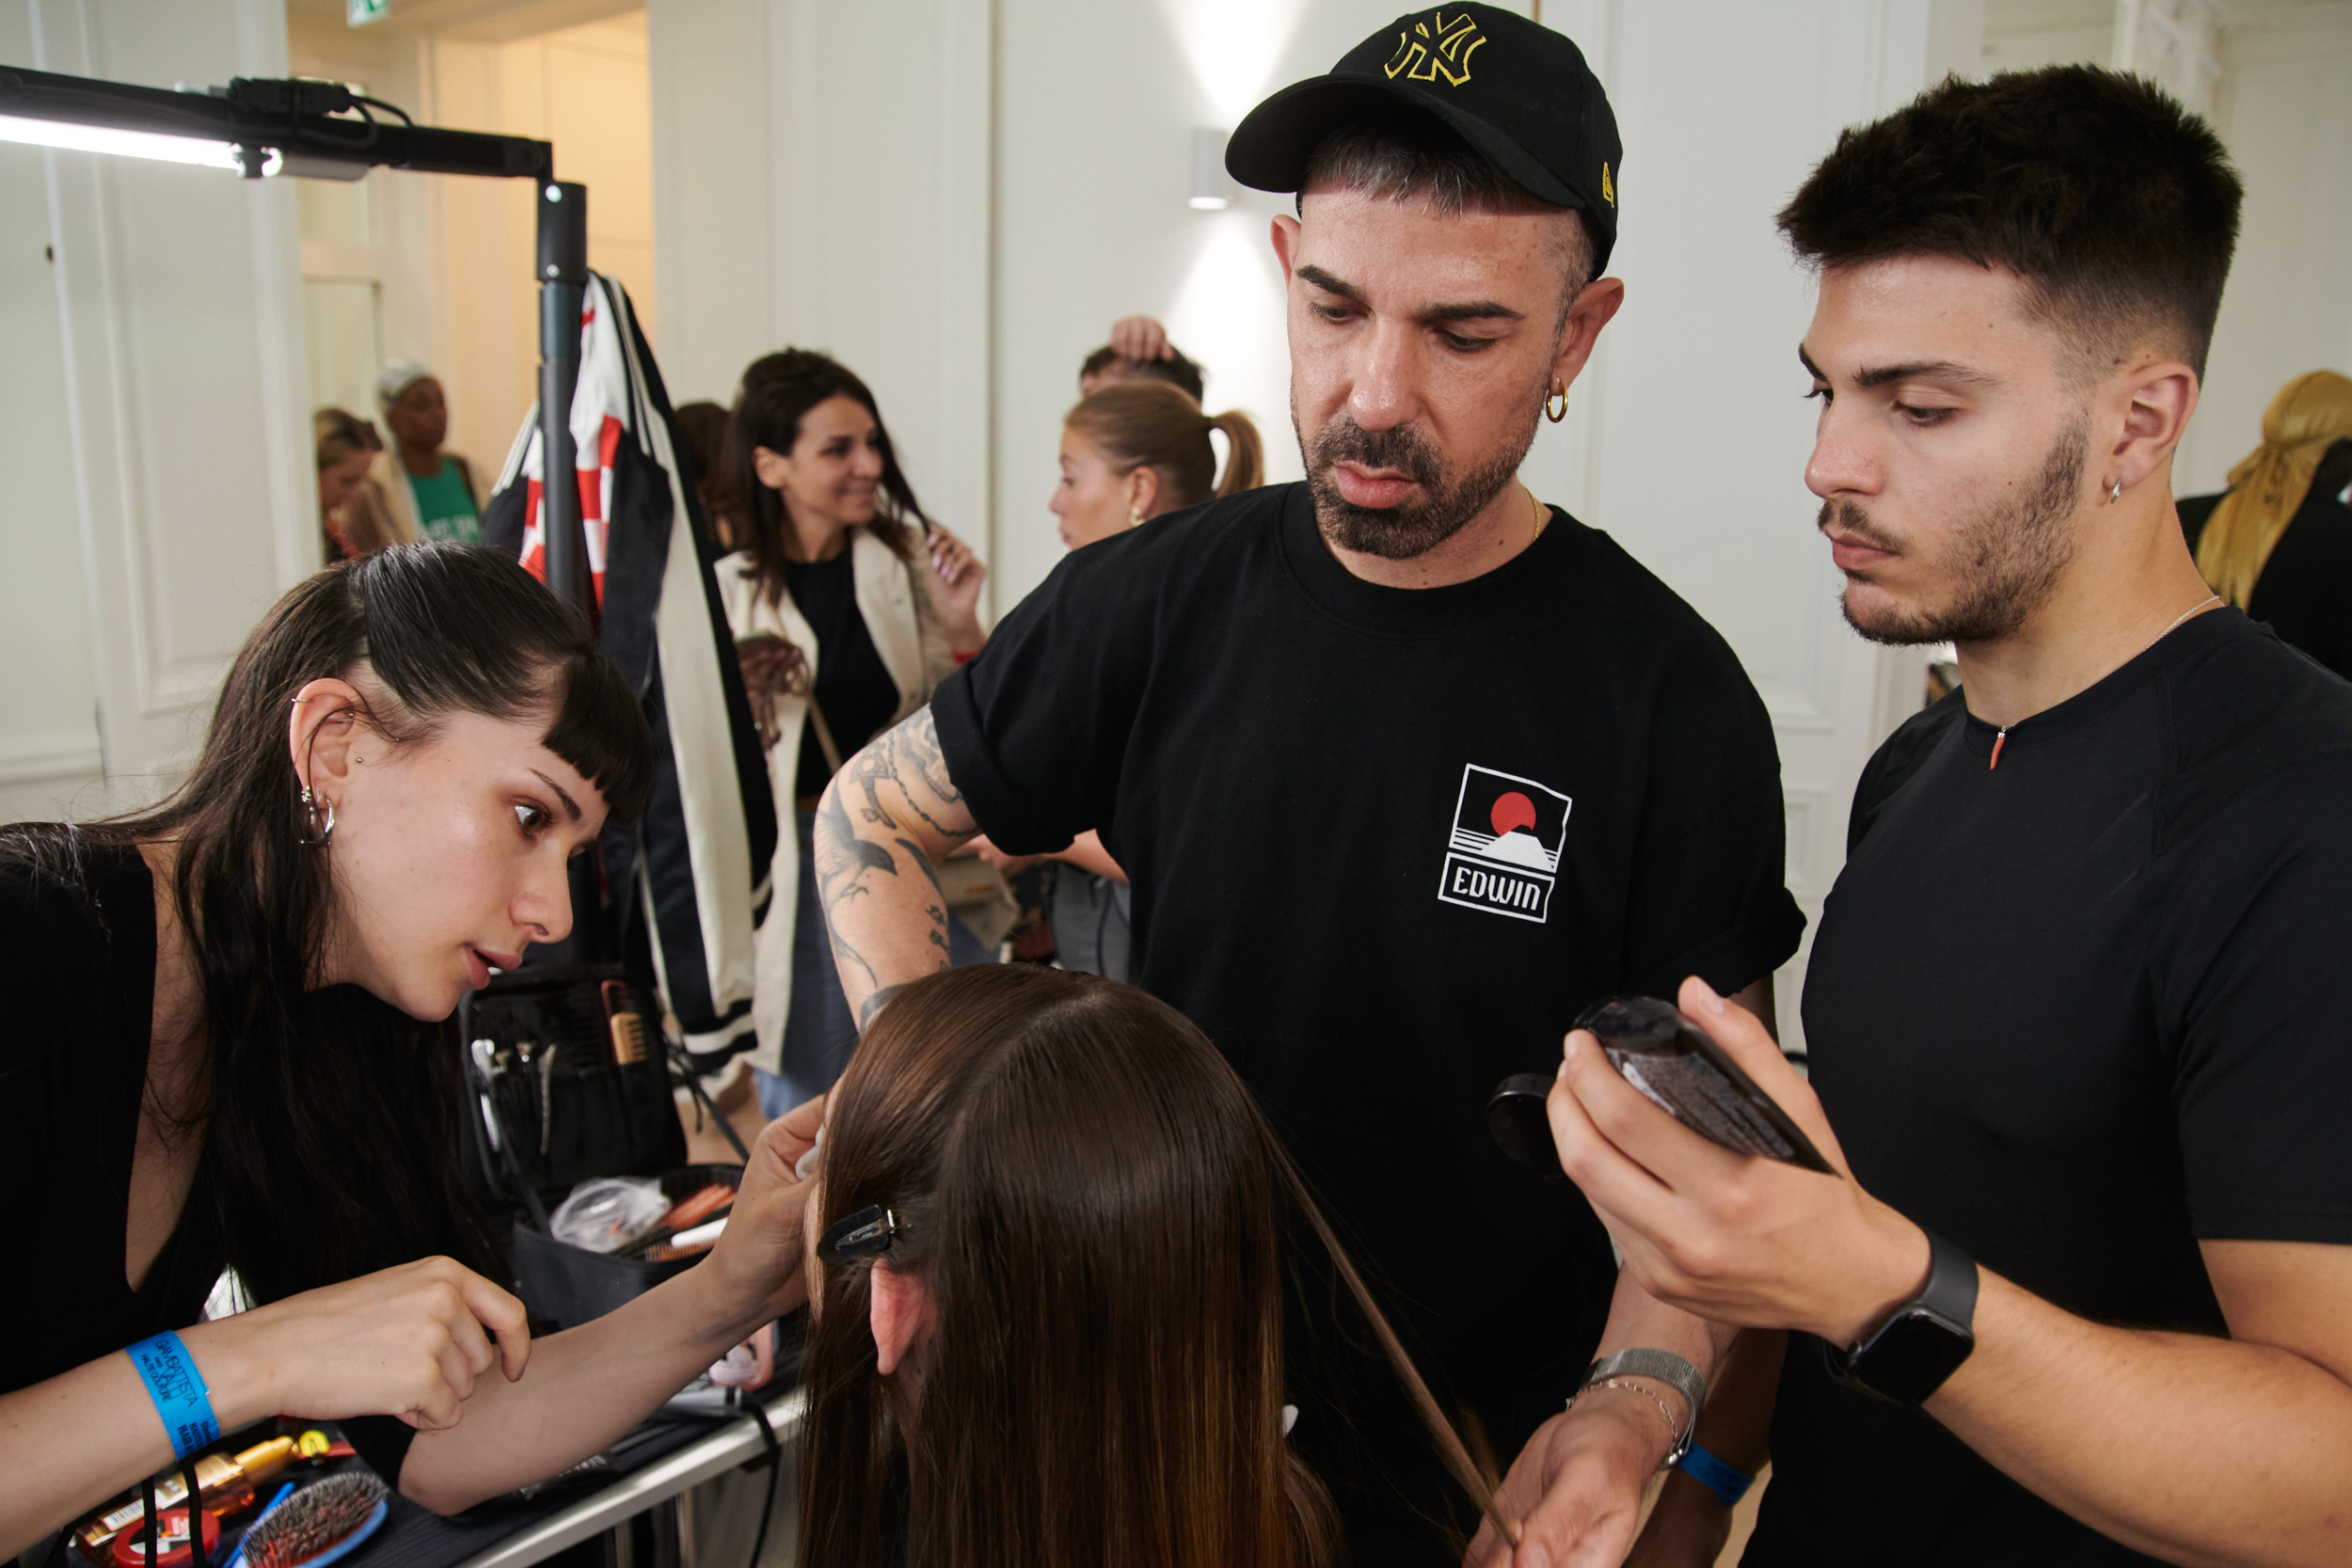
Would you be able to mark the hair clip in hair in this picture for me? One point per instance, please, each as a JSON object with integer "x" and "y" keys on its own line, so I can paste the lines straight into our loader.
{"x": 867, "y": 1233}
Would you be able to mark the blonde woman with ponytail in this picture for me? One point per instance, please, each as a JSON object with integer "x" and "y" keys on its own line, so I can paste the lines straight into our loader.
{"x": 2279, "y": 544}
{"x": 1138, "y": 449}
{"x": 1131, "y": 452}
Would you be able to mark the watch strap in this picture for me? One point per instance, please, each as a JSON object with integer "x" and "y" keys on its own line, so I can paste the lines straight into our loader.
{"x": 1948, "y": 1296}
{"x": 1662, "y": 1366}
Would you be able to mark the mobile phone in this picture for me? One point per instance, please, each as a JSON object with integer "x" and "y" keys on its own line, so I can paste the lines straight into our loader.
{"x": 1661, "y": 1052}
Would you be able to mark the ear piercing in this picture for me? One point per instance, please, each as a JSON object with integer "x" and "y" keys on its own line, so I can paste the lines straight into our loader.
{"x": 319, "y": 833}
{"x": 1556, "y": 405}
{"x": 2115, "y": 491}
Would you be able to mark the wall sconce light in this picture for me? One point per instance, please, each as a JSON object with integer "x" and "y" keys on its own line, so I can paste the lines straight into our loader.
{"x": 1212, "y": 187}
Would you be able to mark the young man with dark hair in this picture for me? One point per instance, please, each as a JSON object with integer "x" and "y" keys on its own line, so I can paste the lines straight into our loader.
{"x": 1407, "y": 767}
{"x": 2078, "y": 1293}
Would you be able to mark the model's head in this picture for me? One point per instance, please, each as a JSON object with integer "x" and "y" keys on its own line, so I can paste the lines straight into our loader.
{"x": 1108, "y": 367}
{"x": 1071, "y": 1348}
{"x": 807, "y": 445}
{"x": 416, "y": 410}
{"x": 468, "y": 738}
{"x": 2018, "y": 283}
{"x": 1137, "y": 448}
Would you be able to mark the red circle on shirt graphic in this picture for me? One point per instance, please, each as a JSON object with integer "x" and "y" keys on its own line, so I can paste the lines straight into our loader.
{"x": 1513, "y": 810}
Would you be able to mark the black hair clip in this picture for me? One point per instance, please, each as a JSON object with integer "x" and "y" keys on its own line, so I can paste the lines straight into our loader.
{"x": 866, "y": 1233}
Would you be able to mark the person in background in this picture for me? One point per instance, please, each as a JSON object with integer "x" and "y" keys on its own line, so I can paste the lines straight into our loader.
{"x": 848, "y": 605}
{"x": 432, "y": 492}
{"x": 702, "y": 429}
{"x": 1048, "y": 1308}
{"x": 1138, "y": 351}
{"x": 354, "y": 519}
{"x": 2278, "y": 543}
{"x": 1132, "y": 452}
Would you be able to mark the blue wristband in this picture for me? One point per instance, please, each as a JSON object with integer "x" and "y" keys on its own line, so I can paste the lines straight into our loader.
{"x": 1729, "y": 1485}
{"x": 179, "y": 1393}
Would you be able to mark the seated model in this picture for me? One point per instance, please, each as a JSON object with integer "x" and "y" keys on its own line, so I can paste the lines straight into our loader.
{"x": 1050, "y": 1296}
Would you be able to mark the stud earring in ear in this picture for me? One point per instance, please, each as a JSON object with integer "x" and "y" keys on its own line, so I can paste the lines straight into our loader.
{"x": 1135, "y": 516}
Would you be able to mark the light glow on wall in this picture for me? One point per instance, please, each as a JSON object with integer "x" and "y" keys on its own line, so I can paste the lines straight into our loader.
{"x": 1229, "y": 315}
{"x": 1233, "y": 46}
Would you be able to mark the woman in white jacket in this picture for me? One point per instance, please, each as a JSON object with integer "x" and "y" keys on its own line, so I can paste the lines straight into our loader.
{"x": 848, "y": 606}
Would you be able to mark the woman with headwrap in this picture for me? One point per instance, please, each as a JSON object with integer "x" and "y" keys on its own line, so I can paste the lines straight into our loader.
{"x": 2279, "y": 542}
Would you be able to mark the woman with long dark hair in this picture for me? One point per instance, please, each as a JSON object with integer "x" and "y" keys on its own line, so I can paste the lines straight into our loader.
{"x": 1049, "y": 1311}
{"x": 849, "y": 605}
{"x": 227, "y": 1046}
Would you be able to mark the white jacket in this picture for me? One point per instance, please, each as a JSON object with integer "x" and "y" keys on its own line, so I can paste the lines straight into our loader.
{"x": 897, "y": 613}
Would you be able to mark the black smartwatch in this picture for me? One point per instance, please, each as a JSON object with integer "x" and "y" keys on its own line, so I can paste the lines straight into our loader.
{"x": 1908, "y": 1357}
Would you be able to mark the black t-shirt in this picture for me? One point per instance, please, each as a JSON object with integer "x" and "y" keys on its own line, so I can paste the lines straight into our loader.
{"x": 77, "y": 966}
{"x": 854, "y": 690}
{"x": 2077, "y": 1013}
{"x": 2305, "y": 591}
{"x": 1385, "y": 843}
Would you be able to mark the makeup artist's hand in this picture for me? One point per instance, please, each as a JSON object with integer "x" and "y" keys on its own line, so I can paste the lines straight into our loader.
{"x": 955, "y": 579}
{"x": 761, "y": 1253}
{"x": 407, "y": 1341}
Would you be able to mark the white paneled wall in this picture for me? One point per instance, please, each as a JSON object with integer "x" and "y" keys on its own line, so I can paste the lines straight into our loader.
{"x": 177, "y": 376}
{"x": 49, "y": 755}
{"x": 823, "y": 179}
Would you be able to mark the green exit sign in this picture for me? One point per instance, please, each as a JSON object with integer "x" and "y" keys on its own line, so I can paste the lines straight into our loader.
{"x": 361, "y": 12}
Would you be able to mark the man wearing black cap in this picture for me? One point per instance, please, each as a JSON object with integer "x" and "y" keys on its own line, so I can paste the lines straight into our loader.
{"x": 1406, "y": 767}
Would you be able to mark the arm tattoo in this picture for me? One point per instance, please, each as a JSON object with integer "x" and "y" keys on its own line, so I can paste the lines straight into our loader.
{"x": 860, "y": 830}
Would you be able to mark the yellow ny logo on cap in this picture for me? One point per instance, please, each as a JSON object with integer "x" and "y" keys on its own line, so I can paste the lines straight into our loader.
{"x": 1437, "y": 48}
{"x": 1607, "y": 191}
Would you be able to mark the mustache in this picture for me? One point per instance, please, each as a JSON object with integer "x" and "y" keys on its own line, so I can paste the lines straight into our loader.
{"x": 1852, "y": 519}
{"x": 1400, "y": 446}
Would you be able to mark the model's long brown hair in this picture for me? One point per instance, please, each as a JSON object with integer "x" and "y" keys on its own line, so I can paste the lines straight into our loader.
{"x": 1095, "y": 1207}
{"x": 1150, "y": 424}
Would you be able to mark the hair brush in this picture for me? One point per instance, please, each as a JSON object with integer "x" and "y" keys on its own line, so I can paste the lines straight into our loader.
{"x": 318, "y": 1524}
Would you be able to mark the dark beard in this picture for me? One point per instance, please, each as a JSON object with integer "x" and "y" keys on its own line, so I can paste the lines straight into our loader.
{"x": 2007, "y": 559}
{"x": 1402, "y": 532}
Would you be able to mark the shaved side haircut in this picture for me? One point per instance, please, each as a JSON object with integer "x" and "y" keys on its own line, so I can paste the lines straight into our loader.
{"x": 2116, "y": 205}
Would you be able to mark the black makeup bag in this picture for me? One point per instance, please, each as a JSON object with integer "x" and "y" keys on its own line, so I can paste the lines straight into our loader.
{"x": 566, "y": 1080}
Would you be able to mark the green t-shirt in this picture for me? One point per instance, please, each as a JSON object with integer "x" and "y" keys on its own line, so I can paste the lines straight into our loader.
{"x": 444, "y": 509}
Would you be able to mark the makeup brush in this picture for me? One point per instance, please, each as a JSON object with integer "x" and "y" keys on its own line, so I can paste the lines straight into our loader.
{"x": 318, "y": 1524}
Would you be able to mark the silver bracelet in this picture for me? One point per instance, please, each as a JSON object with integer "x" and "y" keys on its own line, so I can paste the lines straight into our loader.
{"x": 1662, "y": 1367}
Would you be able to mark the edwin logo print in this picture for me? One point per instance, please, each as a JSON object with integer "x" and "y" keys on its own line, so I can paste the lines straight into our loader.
{"x": 1505, "y": 853}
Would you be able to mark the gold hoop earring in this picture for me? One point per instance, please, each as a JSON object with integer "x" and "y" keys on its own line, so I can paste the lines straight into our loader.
{"x": 1134, "y": 515}
{"x": 319, "y": 833}
{"x": 1560, "y": 396}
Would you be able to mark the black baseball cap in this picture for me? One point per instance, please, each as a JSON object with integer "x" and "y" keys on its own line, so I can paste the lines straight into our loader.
{"x": 1520, "y": 93}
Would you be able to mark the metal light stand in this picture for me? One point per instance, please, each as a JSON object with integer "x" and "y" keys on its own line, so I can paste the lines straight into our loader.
{"x": 303, "y": 124}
